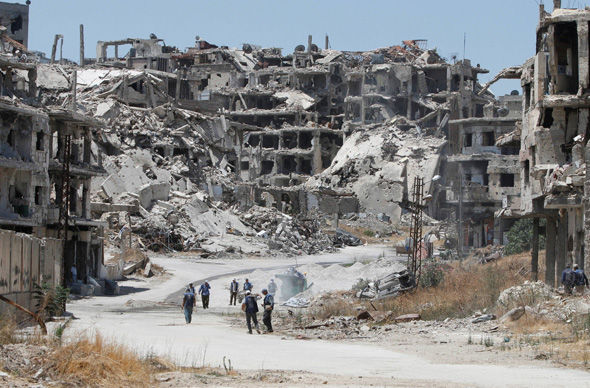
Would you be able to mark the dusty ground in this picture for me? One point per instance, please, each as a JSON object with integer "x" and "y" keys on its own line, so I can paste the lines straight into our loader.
{"x": 451, "y": 353}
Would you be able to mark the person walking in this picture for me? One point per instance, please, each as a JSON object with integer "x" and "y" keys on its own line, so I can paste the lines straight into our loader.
{"x": 192, "y": 288}
{"x": 581, "y": 280}
{"x": 248, "y": 286}
{"x": 204, "y": 292}
{"x": 568, "y": 279}
{"x": 272, "y": 288}
{"x": 74, "y": 272}
{"x": 250, "y": 307}
{"x": 268, "y": 304}
{"x": 233, "y": 292}
{"x": 188, "y": 303}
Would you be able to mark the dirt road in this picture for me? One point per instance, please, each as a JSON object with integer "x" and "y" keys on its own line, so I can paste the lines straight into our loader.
{"x": 140, "y": 321}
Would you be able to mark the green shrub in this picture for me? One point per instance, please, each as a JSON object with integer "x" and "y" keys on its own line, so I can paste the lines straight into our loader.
{"x": 369, "y": 233}
{"x": 432, "y": 274}
{"x": 51, "y": 301}
{"x": 520, "y": 236}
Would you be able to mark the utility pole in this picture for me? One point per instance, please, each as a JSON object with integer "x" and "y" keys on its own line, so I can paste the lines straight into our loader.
{"x": 417, "y": 210}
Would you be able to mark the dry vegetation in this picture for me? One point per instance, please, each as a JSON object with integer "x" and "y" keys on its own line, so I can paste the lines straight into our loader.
{"x": 566, "y": 343}
{"x": 94, "y": 361}
{"x": 81, "y": 362}
{"x": 467, "y": 287}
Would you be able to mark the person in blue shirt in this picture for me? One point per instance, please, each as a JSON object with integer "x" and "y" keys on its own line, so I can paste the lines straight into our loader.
{"x": 204, "y": 292}
{"x": 250, "y": 307}
{"x": 268, "y": 305}
{"x": 188, "y": 303}
{"x": 581, "y": 280}
{"x": 568, "y": 279}
{"x": 248, "y": 286}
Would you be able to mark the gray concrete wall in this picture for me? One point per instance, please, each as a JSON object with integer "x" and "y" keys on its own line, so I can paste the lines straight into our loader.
{"x": 24, "y": 262}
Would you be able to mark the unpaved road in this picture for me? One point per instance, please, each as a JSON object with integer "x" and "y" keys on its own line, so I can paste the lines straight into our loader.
{"x": 149, "y": 327}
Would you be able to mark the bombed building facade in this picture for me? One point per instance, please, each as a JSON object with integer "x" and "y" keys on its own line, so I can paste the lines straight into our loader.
{"x": 554, "y": 139}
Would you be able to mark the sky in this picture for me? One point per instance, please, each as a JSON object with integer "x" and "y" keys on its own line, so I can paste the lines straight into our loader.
{"x": 499, "y": 33}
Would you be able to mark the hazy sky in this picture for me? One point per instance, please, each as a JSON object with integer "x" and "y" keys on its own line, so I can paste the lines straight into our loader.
{"x": 500, "y": 33}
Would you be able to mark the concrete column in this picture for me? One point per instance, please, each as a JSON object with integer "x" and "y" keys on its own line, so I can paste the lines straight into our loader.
{"x": 585, "y": 262}
{"x": 409, "y": 94}
{"x": 87, "y": 147}
{"x": 33, "y": 82}
{"x": 449, "y": 78}
{"x": 535, "y": 251}
{"x": 317, "y": 153}
{"x": 461, "y": 88}
{"x": 583, "y": 53}
{"x": 85, "y": 199}
{"x": 552, "y": 57}
{"x": 561, "y": 247}
{"x": 550, "y": 235}
{"x": 81, "y": 45}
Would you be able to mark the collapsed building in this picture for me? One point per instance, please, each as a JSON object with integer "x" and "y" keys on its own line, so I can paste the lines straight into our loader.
{"x": 554, "y": 140}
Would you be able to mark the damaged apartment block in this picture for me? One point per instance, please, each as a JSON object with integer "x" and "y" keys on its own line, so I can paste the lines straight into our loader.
{"x": 554, "y": 154}
{"x": 35, "y": 145}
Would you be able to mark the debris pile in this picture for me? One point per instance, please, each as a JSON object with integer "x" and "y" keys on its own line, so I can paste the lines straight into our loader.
{"x": 378, "y": 164}
{"x": 288, "y": 234}
{"x": 540, "y": 300}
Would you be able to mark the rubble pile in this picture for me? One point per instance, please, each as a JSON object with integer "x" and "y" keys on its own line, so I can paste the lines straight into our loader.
{"x": 292, "y": 235}
{"x": 540, "y": 300}
{"x": 527, "y": 293}
{"x": 378, "y": 165}
{"x": 488, "y": 254}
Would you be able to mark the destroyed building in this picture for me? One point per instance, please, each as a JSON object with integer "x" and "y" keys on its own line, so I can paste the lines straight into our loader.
{"x": 14, "y": 22}
{"x": 46, "y": 168}
{"x": 273, "y": 121}
{"x": 484, "y": 174}
{"x": 221, "y": 150}
{"x": 554, "y": 139}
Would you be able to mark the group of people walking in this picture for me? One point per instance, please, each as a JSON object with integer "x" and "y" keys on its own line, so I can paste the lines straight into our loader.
{"x": 189, "y": 300}
{"x": 574, "y": 279}
{"x": 249, "y": 304}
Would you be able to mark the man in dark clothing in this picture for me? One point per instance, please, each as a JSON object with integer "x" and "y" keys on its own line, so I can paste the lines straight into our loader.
{"x": 268, "y": 305}
{"x": 581, "y": 280}
{"x": 233, "y": 292}
{"x": 250, "y": 307}
{"x": 188, "y": 303}
{"x": 192, "y": 288}
{"x": 204, "y": 292}
{"x": 247, "y": 286}
{"x": 568, "y": 279}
